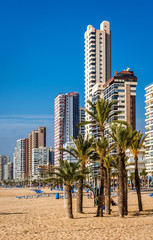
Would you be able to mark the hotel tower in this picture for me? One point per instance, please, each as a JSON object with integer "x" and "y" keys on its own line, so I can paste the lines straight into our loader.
{"x": 97, "y": 63}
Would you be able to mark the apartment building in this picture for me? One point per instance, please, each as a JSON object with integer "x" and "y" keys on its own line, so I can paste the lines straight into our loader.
{"x": 97, "y": 63}
{"x": 66, "y": 119}
{"x": 82, "y": 119}
{"x": 149, "y": 128}
{"x": 19, "y": 160}
{"x": 6, "y": 168}
{"x": 122, "y": 88}
{"x": 36, "y": 139}
{"x": 40, "y": 156}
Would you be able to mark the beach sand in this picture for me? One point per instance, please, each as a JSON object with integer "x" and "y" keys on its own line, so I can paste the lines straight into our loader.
{"x": 45, "y": 218}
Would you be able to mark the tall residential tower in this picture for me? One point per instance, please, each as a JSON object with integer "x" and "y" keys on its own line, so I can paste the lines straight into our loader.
{"x": 97, "y": 62}
{"x": 65, "y": 120}
{"x": 149, "y": 128}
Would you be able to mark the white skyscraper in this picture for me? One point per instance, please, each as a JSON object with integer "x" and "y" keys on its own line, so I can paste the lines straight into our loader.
{"x": 19, "y": 160}
{"x": 97, "y": 63}
{"x": 149, "y": 128}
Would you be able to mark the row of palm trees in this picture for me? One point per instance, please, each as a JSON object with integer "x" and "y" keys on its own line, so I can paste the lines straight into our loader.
{"x": 100, "y": 150}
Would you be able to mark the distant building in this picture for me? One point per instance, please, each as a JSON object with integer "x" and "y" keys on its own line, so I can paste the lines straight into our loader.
{"x": 65, "y": 121}
{"x": 36, "y": 139}
{"x": 5, "y": 168}
{"x": 19, "y": 160}
{"x": 43, "y": 170}
{"x": 26, "y": 157}
{"x": 149, "y": 128}
{"x": 131, "y": 161}
{"x": 40, "y": 156}
{"x": 82, "y": 119}
{"x": 51, "y": 155}
{"x": 67, "y": 156}
{"x": 9, "y": 170}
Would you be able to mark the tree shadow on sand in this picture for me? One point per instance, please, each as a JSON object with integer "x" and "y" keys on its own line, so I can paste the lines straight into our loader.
{"x": 3, "y": 213}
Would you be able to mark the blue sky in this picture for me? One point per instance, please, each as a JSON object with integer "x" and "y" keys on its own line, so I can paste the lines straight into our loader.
{"x": 42, "y": 54}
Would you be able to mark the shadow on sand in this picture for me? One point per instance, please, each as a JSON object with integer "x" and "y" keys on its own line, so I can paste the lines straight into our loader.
{"x": 3, "y": 213}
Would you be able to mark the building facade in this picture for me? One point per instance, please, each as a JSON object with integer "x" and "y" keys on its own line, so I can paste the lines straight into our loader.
{"x": 131, "y": 161}
{"x": 149, "y": 128}
{"x": 97, "y": 63}
{"x": 19, "y": 160}
{"x": 67, "y": 156}
{"x": 5, "y": 168}
{"x": 40, "y": 156}
{"x": 122, "y": 88}
{"x": 82, "y": 119}
{"x": 51, "y": 156}
{"x": 66, "y": 118}
{"x": 36, "y": 139}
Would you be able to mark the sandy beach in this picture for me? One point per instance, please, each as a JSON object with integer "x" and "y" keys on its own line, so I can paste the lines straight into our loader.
{"x": 45, "y": 218}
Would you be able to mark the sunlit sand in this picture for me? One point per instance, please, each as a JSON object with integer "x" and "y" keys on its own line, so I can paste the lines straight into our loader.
{"x": 45, "y": 218}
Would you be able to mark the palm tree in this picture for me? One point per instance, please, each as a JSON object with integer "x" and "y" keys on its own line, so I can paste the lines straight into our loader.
{"x": 143, "y": 174}
{"x": 132, "y": 177}
{"x": 82, "y": 151}
{"x": 67, "y": 174}
{"x": 107, "y": 165}
{"x": 122, "y": 137}
{"x": 135, "y": 147}
{"x": 100, "y": 113}
{"x": 102, "y": 149}
{"x": 113, "y": 174}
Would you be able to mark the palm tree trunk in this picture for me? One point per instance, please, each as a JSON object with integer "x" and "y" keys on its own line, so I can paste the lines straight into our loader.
{"x": 113, "y": 183}
{"x": 117, "y": 191}
{"x": 144, "y": 181}
{"x": 107, "y": 193}
{"x": 79, "y": 202}
{"x": 69, "y": 203}
{"x": 101, "y": 195}
{"x": 121, "y": 185}
{"x": 125, "y": 193}
{"x": 137, "y": 183}
{"x": 131, "y": 184}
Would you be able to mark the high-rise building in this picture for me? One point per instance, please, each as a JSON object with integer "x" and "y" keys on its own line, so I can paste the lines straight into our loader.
{"x": 82, "y": 119}
{"x": 67, "y": 156}
{"x": 9, "y": 170}
{"x": 26, "y": 157}
{"x": 42, "y": 137}
{"x": 97, "y": 63}
{"x": 66, "y": 119}
{"x": 36, "y": 139}
{"x": 51, "y": 155}
{"x": 19, "y": 160}
{"x": 149, "y": 128}
{"x": 30, "y": 155}
{"x": 122, "y": 88}
{"x": 40, "y": 156}
{"x": 23, "y": 152}
{"x": 4, "y": 162}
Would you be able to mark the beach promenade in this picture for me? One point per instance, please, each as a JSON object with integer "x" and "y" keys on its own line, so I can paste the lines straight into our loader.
{"x": 45, "y": 218}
